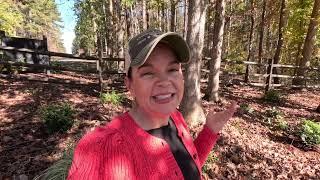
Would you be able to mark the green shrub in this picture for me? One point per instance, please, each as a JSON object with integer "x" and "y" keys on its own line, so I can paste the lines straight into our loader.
{"x": 275, "y": 118}
{"x": 57, "y": 64}
{"x": 212, "y": 158}
{"x": 112, "y": 97}
{"x": 274, "y": 113}
{"x": 58, "y": 118}
{"x": 310, "y": 132}
{"x": 246, "y": 109}
{"x": 272, "y": 96}
{"x": 282, "y": 124}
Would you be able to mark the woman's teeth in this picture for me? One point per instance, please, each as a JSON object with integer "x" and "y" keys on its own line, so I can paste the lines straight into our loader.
{"x": 160, "y": 97}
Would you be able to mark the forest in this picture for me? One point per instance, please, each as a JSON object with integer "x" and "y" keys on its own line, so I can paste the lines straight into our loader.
{"x": 263, "y": 54}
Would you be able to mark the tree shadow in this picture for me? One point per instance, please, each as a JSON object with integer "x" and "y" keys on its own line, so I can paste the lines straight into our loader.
{"x": 26, "y": 147}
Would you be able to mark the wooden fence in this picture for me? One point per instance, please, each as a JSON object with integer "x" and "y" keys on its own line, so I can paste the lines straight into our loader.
{"x": 99, "y": 62}
{"x": 266, "y": 76}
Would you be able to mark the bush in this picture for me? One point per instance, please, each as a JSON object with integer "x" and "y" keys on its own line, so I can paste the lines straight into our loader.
{"x": 272, "y": 96}
{"x": 275, "y": 117}
{"x": 274, "y": 113}
{"x": 310, "y": 132}
{"x": 246, "y": 109}
{"x": 282, "y": 124}
{"x": 58, "y": 118}
{"x": 113, "y": 98}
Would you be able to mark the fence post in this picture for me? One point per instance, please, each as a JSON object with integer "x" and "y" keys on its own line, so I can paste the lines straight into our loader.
{"x": 246, "y": 77}
{"x": 269, "y": 77}
{"x": 45, "y": 44}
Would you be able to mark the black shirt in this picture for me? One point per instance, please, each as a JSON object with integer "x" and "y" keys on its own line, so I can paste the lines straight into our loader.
{"x": 181, "y": 155}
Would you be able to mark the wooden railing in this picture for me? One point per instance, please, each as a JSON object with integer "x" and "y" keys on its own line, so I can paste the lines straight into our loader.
{"x": 71, "y": 58}
{"x": 268, "y": 74}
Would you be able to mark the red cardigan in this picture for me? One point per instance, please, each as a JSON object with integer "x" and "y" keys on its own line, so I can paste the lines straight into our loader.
{"x": 123, "y": 150}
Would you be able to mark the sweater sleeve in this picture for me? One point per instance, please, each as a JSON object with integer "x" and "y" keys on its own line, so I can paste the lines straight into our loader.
{"x": 100, "y": 155}
{"x": 204, "y": 142}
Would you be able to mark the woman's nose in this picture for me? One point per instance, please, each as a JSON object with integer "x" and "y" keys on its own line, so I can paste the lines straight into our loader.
{"x": 163, "y": 80}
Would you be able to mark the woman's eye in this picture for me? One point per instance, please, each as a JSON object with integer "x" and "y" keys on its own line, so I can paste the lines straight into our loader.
{"x": 173, "y": 70}
{"x": 147, "y": 74}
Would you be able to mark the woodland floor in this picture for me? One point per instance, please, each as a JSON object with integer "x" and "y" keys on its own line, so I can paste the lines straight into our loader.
{"x": 249, "y": 147}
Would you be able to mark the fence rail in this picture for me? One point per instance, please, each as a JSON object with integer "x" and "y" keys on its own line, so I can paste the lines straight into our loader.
{"x": 268, "y": 75}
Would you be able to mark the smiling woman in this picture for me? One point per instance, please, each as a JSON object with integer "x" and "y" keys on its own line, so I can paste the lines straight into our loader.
{"x": 152, "y": 140}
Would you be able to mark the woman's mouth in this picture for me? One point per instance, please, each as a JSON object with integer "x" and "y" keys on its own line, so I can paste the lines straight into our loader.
{"x": 163, "y": 98}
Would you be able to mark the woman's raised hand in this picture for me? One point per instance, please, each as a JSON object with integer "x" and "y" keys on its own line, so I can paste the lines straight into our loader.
{"x": 216, "y": 120}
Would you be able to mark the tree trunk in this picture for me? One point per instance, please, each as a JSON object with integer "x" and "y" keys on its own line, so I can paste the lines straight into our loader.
{"x": 280, "y": 39}
{"x": 144, "y": 15}
{"x": 261, "y": 31}
{"x": 120, "y": 33}
{"x": 309, "y": 43}
{"x": 250, "y": 53}
{"x": 173, "y": 15}
{"x": 128, "y": 22}
{"x": 163, "y": 23}
{"x": 191, "y": 102}
{"x": 185, "y": 19}
{"x": 213, "y": 83}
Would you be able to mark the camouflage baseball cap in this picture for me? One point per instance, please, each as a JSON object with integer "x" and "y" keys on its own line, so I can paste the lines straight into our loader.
{"x": 141, "y": 46}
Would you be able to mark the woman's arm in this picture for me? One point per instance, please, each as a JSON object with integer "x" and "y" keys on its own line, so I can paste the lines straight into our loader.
{"x": 101, "y": 155}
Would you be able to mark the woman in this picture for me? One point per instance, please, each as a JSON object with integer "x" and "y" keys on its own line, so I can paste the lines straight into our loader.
{"x": 152, "y": 140}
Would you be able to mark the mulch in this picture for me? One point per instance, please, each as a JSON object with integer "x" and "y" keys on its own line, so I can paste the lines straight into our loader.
{"x": 249, "y": 147}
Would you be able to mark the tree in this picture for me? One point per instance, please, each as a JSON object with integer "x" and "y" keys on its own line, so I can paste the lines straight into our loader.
{"x": 261, "y": 31}
{"x": 173, "y": 15}
{"x": 213, "y": 83}
{"x": 10, "y": 17}
{"x": 308, "y": 44}
{"x": 191, "y": 104}
{"x": 144, "y": 14}
{"x": 282, "y": 20}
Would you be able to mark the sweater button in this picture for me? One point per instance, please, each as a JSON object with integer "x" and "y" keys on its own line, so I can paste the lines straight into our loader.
{"x": 195, "y": 156}
{"x": 162, "y": 143}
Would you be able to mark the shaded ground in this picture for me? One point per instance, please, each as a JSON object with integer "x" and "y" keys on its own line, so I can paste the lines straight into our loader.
{"x": 249, "y": 148}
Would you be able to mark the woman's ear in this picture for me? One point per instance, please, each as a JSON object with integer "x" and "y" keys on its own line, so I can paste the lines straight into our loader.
{"x": 128, "y": 83}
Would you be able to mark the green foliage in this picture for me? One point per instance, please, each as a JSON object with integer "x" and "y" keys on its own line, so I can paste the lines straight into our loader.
{"x": 10, "y": 17}
{"x": 274, "y": 117}
{"x": 212, "y": 158}
{"x": 59, "y": 170}
{"x": 272, "y": 96}
{"x": 282, "y": 124}
{"x": 56, "y": 64}
{"x": 246, "y": 109}
{"x": 235, "y": 68}
{"x": 273, "y": 113}
{"x": 310, "y": 132}
{"x": 58, "y": 118}
{"x": 31, "y": 19}
{"x": 112, "y": 97}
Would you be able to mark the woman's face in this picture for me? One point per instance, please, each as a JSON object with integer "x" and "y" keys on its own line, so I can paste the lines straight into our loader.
{"x": 158, "y": 84}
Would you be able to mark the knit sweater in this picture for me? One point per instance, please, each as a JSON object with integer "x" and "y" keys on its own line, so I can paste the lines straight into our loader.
{"x": 123, "y": 150}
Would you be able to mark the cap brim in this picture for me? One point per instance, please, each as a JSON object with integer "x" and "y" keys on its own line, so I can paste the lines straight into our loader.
{"x": 174, "y": 40}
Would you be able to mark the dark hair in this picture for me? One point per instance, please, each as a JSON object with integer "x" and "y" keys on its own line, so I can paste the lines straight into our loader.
{"x": 129, "y": 74}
